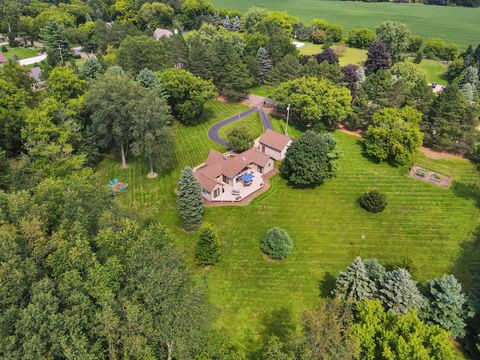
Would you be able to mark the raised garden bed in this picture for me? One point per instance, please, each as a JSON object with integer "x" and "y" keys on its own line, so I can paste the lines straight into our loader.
{"x": 431, "y": 177}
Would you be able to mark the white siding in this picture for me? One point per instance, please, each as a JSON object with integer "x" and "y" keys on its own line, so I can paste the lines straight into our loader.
{"x": 272, "y": 152}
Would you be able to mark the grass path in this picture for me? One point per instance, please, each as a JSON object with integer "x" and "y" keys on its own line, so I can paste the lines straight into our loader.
{"x": 432, "y": 227}
{"x": 453, "y": 24}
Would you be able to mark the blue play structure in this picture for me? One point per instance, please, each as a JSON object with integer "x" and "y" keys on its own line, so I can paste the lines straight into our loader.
{"x": 117, "y": 185}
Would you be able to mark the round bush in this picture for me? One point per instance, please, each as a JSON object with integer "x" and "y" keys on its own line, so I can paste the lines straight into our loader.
{"x": 277, "y": 244}
{"x": 373, "y": 201}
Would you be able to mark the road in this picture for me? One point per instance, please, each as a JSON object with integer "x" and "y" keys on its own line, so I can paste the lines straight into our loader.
{"x": 213, "y": 131}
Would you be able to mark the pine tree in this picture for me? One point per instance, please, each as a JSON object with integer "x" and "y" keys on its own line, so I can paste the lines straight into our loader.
{"x": 208, "y": 250}
{"x": 56, "y": 43}
{"x": 288, "y": 68}
{"x": 91, "y": 69}
{"x": 149, "y": 80}
{"x": 377, "y": 57}
{"x": 190, "y": 200}
{"x": 236, "y": 24}
{"x": 264, "y": 65}
{"x": 354, "y": 284}
{"x": 446, "y": 305}
{"x": 227, "y": 23}
{"x": 399, "y": 292}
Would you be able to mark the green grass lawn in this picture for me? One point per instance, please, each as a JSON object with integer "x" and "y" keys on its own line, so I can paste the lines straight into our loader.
{"x": 348, "y": 55}
{"x": 310, "y": 49}
{"x": 454, "y": 24}
{"x": 263, "y": 90}
{"x": 20, "y": 53}
{"x": 432, "y": 227}
{"x": 252, "y": 122}
{"x": 433, "y": 70}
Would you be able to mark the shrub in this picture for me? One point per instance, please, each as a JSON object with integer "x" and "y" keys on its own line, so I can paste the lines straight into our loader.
{"x": 438, "y": 48}
{"x": 360, "y": 38}
{"x": 318, "y": 36}
{"x": 208, "y": 250}
{"x": 277, "y": 244}
{"x": 240, "y": 138}
{"x": 4, "y": 49}
{"x": 373, "y": 201}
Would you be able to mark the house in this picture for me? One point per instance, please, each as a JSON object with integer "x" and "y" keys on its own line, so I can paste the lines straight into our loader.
{"x": 437, "y": 88}
{"x": 35, "y": 74}
{"x": 3, "y": 59}
{"x": 161, "y": 33}
{"x": 232, "y": 177}
{"x": 273, "y": 144}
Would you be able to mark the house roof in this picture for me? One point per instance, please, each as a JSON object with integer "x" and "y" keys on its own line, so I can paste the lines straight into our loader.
{"x": 254, "y": 156}
{"x": 159, "y": 33}
{"x": 35, "y": 73}
{"x": 206, "y": 182}
{"x": 3, "y": 59}
{"x": 214, "y": 157}
{"x": 274, "y": 140}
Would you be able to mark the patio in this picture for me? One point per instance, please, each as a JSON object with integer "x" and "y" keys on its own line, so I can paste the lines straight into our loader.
{"x": 248, "y": 183}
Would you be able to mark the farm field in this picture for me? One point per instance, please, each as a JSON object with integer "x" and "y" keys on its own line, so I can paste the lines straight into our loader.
{"x": 454, "y": 24}
{"x": 20, "y": 53}
{"x": 431, "y": 227}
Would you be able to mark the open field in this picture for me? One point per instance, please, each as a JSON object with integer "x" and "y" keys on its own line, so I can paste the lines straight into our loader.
{"x": 432, "y": 227}
{"x": 454, "y": 24}
{"x": 20, "y": 53}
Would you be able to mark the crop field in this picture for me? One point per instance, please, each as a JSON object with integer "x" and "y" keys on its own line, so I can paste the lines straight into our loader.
{"x": 430, "y": 227}
{"x": 453, "y": 24}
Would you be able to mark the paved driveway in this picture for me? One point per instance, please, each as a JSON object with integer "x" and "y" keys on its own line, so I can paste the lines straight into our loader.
{"x": 32, "y": 60}
{"x": 213, "y": 131}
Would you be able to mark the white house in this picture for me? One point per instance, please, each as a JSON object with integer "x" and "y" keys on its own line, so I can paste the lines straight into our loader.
{"x": 273, "y": 144}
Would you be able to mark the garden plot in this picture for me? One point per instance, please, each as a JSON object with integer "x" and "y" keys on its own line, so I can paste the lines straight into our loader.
{"x": 431, "y": 177}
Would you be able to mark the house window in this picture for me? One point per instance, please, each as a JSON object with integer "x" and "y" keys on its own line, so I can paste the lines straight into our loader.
{"x": 216, "y": 192}
{"x": 225, "y": 179}
{"x": 260, "y": 169}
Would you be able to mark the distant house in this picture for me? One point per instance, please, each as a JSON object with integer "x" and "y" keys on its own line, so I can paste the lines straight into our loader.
{"x": 3, "y": 59}
{"x": 35, "y": 74}
{"x": 273, "y": 144}
{"x": 162, "y": 33}
{"x": 437, "y": 88}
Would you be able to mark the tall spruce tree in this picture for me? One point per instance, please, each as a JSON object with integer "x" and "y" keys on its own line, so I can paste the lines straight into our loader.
{"x": 288, "y": 68}
{"x": 56, "y": 43}
{"x": 398, "y": 292}
{"x": 149, "y": 80}
{"x": 264, "y": 65}
{"x": 446, "y": 305}
{"x": 227, "y": 23}
{"x": 236, "y": 24}
{"x": 208, "y": 250}
{"x": 354, "y": 284}
{"x": 190, "y": 200}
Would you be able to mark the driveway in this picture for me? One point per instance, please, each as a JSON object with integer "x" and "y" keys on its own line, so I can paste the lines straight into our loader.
{"x": 32, "y": 60}
{"x": 213, "y": 131}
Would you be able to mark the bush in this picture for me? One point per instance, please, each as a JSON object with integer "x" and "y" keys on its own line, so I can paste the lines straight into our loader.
{"x": 4, "y": 49}
{"x": 277, "y": 244}
{"x": 373, "y": 201}
{"x": 438, "y": 48}
{"x": 208, "y": 250}
{"x": 240, "y": 138}
{"x": 318, "y": 36}
{"x": 360, "y": 38}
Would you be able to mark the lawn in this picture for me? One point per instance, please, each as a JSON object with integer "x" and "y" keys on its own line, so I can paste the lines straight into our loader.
{"x": 454, "y": 24}
{"x": 252, "y": 122}
{"x": 430, "y": 226}
{"x": 433, "y": 70}
{"x": 348, "y": 55}
{"x": 310, "y": 49}
{"x": 263, "y": 90}
{"x": 20, "y": 53}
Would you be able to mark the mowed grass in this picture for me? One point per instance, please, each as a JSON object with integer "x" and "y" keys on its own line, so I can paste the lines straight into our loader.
{"x": 19, "y": 53}
{"x": 263, "y": 90}
{"x": 430, "y": 226}
{"x": 453, "y": 24}
{"x": 433, "y": 70}
{"x": 348, "y": 55}
{"x": 251, "y": 122}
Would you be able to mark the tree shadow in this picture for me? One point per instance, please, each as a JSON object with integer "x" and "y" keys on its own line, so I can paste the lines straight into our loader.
{"x": 327, "y": 284}
{"x": 467, "y": 191}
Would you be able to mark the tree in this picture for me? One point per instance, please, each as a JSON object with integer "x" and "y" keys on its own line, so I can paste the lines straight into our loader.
{"x": 190, "y": 200}
{"x": 384, "y": 335}
{"x": 446, "y": 305}
{"x": 187, "y": 94}
{"x": 277, "y": 244}
{"x": 138, "y": 52}
{"x": 377, "y": 57}
{"x": 288, "y": 68}
{"x": 318, "y": 103}
{"x": 63, "y": 84}
{"x": 108, "y": 102}
{"x": 207, "y": 251}
{"x": 375, "y": 270}
{"x": 353, "y": 78}
{"x": 373, "y": 201}
{"x": 154, "y": 15}
{"x": 327, "y": 55}
{"x": 394, "y": 134}
{"x": 310, "y": 160}
{"x": 264, "y": 65}
{"x": 236, "y": 24}
{"x": 275, "y": 349}
{"x": 226, "y": 23}
{"x": 354, "y": 284}
{"x": 438, "y": 48}
{"x": 149, "y": 80}
{"x": 326, "y": 331}
{"x": 360, "y": 38}
{"x": 150, "y": 135}
{"x": 91, "y": 69}
{"x": 240, "y": 138}
{"x": 396, "y": 37}
{"x": 56, "y": 43}
{"x": 399, "y": 293}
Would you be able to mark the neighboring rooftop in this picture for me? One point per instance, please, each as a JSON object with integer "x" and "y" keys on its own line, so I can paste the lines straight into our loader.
{"x": 274, "y": 140}
{"x": 3, "y": 59}
{"x": 159, "y": 33}
{"x": 35, "y": 73}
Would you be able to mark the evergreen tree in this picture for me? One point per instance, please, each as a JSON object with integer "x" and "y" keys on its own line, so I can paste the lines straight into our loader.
{"x": 446, "y": 305}
{"x": 236, "y": 24}
{"x": 149, "y": 80}
{"x": 399, "y": 293}
{"x": 208, "y": 250}
{"x": 201, "y": 59}
{"x": 56, "y": 43}
{"x": 190, "y": 200}
{"x": 233, "y": 79}
{"x": 377, "y": 57}
{"x": 288, "y": 68}
{"x": 375, "y": 270}
{"x": 91, "y": 69}
{"x": 264, "y": 65}
{"x": 227, "y": 23}
{"x": 354, "y": 284}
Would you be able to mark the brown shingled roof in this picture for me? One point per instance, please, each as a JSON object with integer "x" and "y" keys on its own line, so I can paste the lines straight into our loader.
{"x": 254, "y": 156}
{"x": 274, "y": 140}
{"x": 206, "y": 182}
